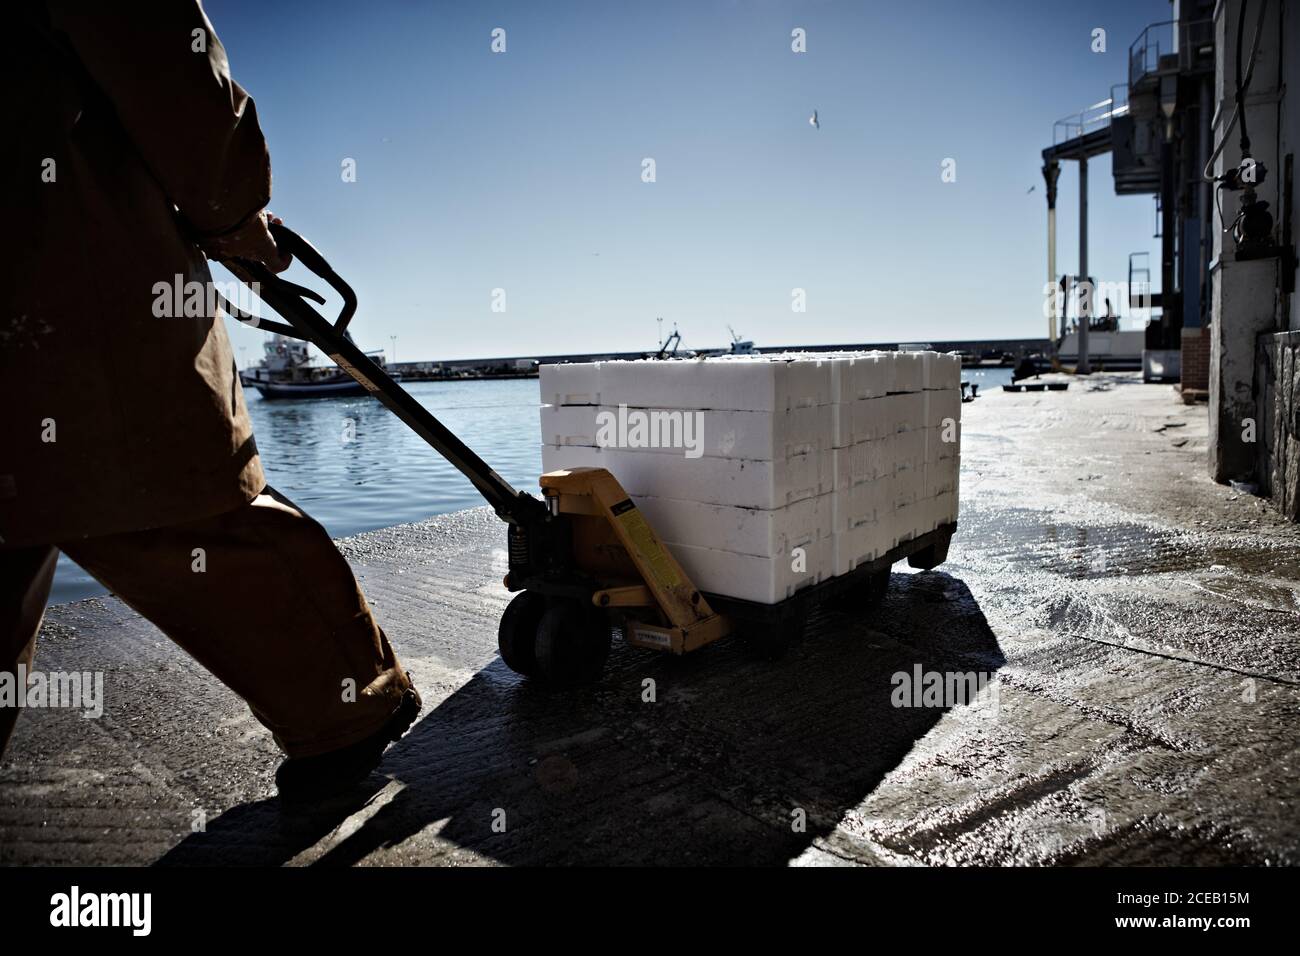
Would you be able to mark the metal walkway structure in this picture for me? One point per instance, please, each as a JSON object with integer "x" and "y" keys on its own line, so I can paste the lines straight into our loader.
{"x": 1156, "y": 126}
{"x": 1091, "y": 136}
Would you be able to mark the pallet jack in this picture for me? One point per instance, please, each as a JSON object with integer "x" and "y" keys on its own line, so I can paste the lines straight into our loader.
{"x": 582, "y": 558}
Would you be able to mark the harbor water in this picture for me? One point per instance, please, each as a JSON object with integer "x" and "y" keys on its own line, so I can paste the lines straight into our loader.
{"x": 351, "y": 465}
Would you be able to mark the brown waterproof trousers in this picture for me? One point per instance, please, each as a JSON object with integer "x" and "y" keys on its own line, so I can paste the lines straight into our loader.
{"x": 254, "y": 594}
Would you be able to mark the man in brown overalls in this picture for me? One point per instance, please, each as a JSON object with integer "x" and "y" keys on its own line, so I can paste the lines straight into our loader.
{"x": 124, "y": 439}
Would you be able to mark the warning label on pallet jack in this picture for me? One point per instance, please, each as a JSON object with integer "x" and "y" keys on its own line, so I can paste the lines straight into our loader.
{"x": 654, "y": 639}
{"x": 647, "y": 546}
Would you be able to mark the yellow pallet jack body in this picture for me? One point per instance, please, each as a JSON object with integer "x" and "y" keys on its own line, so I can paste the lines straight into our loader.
{"x": 613, "y": 542}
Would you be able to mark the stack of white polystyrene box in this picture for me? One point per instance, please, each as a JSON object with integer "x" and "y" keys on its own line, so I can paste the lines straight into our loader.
{"x": 800, "y": 466}
{"x": 897, "y": 450}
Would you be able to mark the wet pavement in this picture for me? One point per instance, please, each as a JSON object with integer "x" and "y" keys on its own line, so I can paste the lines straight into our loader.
{"x": 1139, "y": 625}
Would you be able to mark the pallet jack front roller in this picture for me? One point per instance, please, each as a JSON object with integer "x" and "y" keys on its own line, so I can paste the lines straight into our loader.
{"x": 582, "y": 558}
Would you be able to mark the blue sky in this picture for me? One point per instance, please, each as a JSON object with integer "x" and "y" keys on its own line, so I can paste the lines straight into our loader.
{"x": 522, "y": 170}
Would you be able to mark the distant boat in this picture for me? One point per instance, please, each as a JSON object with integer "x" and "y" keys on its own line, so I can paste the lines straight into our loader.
{"x": 287, "y": 371}
{"x": 741, "y": 346}
{"x": 670, "y": 347}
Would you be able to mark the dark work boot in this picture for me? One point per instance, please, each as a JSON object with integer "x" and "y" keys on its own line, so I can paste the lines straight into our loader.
{"x": 305, "y": 780}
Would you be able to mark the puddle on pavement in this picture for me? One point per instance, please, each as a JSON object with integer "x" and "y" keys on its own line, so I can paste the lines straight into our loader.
{"x": 1078, "y": 551}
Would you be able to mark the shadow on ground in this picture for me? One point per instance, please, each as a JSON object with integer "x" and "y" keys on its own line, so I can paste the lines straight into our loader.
{"x": 714, "y": 771}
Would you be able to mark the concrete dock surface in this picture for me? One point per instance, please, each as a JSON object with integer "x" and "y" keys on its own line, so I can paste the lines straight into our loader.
{"x": 1140, "y": 623}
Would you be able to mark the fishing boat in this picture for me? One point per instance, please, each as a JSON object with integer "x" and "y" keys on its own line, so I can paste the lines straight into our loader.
{"x": 288, "y": 370}
{"x": 741, "y": 346}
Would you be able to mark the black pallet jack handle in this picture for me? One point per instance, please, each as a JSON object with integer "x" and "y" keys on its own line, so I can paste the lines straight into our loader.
{"x": 305, "y": 323}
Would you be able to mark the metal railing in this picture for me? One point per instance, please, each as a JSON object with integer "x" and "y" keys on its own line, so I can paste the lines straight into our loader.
{"x": 1093, "y": 117}
{"x": 1187, "y": 40}
{"x": 1139, "y": 280}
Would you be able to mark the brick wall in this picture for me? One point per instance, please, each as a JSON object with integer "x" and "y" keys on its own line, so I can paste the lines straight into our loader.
{"x": 1196, "y": 359}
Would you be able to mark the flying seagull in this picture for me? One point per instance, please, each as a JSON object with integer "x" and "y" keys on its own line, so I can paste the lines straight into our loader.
{"x": 812, "y": 121}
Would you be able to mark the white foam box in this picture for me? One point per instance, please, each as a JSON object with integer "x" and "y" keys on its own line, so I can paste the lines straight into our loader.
{"x": 908, "y": 371}
{"x": 942, "y": 475}
{"x": 864, "y": 503}
{"x": 909, "y": 483}
{"x": 863, "y": 461}
{"x": 855, "y": 421}
{"x": 940, "y": 404}
{"x": 761, "y": 383}
{"x": 766, "y": 580}
{"x": 866, "y": 418}
{"x": 902, "y": 524}
{"x": 870, "y": 418}
{"x": 841, "y": 424}
{"x": 909, "y": 448}
{"x": 876, "y": 417}
{"x": 938, "y": 510}
{"x": 760, "y": 532}
{"x": 941, "y": 370}
{"x": 859, "y": 545}
{"x": 738, "y": 482}
{"x": 856, "y": 375}
{"x": 927, "y": 515}
{"x": 863, "y": 420}
{"x": 716, "y": 433}
{"x": 863, "y": 375}
{"x": 844, "y": 392}
{"x": 909, "y": 411}
{"x": 570, "y": 383}
{"x": 951, "y": 504}
{"x": 936, "y": 448}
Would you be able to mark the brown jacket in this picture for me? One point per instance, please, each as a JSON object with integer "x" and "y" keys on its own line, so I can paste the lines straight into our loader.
{"x": 124, "y": 141}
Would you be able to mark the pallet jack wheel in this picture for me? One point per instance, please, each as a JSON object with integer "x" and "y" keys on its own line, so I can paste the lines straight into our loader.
{"x": 572, "y": 644}
{"x": 517, "y": 632}
{"x": 931, "y": 557}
